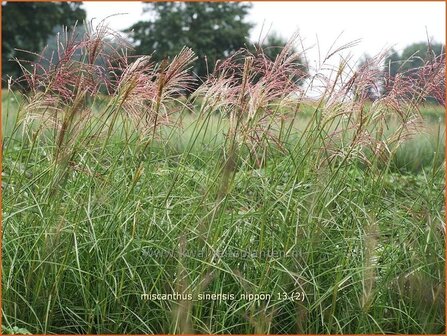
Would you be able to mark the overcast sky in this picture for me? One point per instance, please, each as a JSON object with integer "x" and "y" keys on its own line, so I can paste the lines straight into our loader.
{"x": 379, "y": 25}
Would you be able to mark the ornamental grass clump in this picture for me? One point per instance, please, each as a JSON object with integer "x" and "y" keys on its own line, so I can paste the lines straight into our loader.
{"x": 66, "y": 86}
{"x": 63, "y": 85}
{"x": 354, "y": 128}
{"x": 275, "y": 184}
{"x": 147, "y": 88}
{"x": 251, "y": 90}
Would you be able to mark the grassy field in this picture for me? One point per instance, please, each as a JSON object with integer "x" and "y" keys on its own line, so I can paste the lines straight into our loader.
{"x": 310, "y": 217}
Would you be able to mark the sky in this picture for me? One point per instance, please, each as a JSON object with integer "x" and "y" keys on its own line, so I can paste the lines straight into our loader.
{"x": 379, "y": 25}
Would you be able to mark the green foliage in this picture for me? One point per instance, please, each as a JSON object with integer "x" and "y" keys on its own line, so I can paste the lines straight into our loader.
{"x": 21, "y": 29}
{"x": 413, "y": 56}
{"x": 15, "y": 331}
{"x": 212, "y": 30}
{"x": 422, "y": 152}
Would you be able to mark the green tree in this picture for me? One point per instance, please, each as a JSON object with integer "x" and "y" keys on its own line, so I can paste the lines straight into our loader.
{"x": 412, "y": 57}
{"x": 28, "y": 25}
{"x": 213, "y": 30}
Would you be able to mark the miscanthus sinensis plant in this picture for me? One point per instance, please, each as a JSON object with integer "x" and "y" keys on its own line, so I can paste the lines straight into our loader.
{"x": 108, "y": 158}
